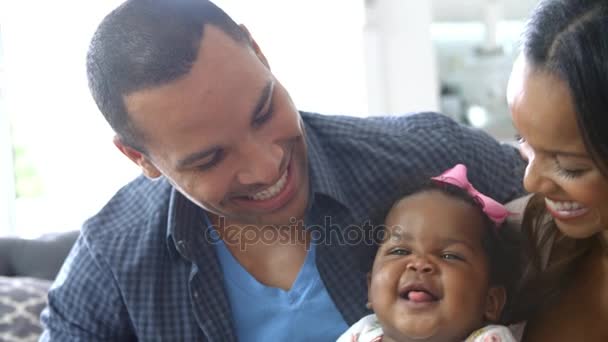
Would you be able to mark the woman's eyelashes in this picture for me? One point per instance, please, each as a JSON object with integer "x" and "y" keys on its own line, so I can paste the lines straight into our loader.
{"x": 568, "y": 173}
{"x": 564, "y": 172}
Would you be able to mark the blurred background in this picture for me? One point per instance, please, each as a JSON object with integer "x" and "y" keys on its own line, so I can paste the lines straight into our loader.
{"x": 58, "y": 165}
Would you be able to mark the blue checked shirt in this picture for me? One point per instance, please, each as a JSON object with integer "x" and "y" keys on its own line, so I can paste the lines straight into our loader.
{"x": 144, "y": 269}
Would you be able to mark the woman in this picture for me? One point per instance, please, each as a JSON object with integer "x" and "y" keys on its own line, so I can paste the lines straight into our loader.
{"x": 558, "y": 95}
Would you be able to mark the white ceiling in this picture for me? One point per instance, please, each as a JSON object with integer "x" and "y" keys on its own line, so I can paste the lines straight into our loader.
{"x": 472, "y": 10}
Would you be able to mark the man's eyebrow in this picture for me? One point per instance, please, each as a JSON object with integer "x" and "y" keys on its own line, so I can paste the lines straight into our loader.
{"x": 195, "y": 157}
{"x": 264, "y": 98}
{"x": 262, "y": 101}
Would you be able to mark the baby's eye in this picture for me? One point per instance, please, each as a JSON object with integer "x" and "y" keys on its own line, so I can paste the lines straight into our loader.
{"x": 399, "y": 251}
{"x": 451, "y": 256}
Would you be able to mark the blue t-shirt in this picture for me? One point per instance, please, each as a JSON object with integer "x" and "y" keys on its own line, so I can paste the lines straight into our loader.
{"x": 264, "y": 313}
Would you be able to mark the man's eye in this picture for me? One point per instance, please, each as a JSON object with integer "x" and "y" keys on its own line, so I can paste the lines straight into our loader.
{"x": 212, "y": 161}
{"x": 399, "y": 251}
{"x": 262, "y": 118}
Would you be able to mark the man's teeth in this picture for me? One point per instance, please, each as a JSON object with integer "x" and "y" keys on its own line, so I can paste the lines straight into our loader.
{"x": 563, "y": 205}
{"x": 271, "y": 191}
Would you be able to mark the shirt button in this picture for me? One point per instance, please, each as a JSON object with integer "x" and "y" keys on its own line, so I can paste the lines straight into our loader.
{"x": 182, "y": 245}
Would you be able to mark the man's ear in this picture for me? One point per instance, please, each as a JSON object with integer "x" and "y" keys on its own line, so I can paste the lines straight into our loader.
{"x": 495, "y": 302}
{"x": 138, "y": 158}
{"x": 255, "y": 46}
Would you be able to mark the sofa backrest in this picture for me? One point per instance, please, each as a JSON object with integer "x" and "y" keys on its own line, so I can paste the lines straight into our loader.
{"x": 38, "y": 258}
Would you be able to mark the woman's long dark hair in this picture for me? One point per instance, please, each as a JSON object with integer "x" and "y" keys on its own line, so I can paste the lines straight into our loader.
{"x": 552, "y": 260}
{"x": 567, "y": 39}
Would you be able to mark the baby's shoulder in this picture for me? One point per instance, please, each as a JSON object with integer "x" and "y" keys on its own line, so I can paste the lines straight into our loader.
{"x": 367, "y": 329}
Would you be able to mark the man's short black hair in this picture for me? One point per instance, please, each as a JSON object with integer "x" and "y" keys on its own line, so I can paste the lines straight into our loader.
{"x": 143, "y": 44}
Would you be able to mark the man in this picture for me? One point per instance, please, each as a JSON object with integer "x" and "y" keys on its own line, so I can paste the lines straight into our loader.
{"x": 245, "y": 224}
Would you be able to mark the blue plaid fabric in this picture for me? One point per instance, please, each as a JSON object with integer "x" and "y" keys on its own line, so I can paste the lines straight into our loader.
{"x": 145, "y": 269}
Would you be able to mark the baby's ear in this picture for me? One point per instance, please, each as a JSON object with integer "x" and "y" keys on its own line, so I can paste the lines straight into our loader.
{"x": 369, "y": 293}
{"x": 495, "y": 302}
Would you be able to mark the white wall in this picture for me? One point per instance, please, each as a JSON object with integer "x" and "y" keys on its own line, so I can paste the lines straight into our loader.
{"x": 7, "y": 186}
{"x": 314, "y": 47}
{"x": 473, "y": 10}
{"x": 317, "y": 48}
{"x": 401, "y": 63}
{"x": 53, "y": 114}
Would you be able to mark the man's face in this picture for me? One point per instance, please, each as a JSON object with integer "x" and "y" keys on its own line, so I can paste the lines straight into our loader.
{"x": 430, "y": 279}
{"x": 226, "y": 135}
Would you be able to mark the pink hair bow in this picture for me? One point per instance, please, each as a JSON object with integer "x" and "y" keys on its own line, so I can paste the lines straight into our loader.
{"x": 458, "y": 176}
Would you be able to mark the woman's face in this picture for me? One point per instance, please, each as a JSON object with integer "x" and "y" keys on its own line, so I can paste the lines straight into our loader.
{"x": 559, "y": 166}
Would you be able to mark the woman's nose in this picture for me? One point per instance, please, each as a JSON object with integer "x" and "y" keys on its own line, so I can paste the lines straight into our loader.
{"x": 535, "y": 179}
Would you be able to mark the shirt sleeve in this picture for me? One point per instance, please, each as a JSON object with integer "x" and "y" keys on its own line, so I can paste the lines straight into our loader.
{"x": 434, "y": 142}
{"x": 496, "y": 169}
{"x": 84, "y": 303}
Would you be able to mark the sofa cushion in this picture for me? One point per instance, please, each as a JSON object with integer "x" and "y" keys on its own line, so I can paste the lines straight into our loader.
{"x": 37, "y": 258}
{"x": 21, "y": 301}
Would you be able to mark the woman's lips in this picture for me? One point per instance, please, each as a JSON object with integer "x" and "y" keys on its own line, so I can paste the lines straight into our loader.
{"x": 565, "y": 210}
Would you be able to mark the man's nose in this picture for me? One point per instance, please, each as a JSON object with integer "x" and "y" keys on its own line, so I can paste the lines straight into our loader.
{"x": 535, "y": 180}
{"x": 261, "y": 164}
{"x": 421, "y": 265}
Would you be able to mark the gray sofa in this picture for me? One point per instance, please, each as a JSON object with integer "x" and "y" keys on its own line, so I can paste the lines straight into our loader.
{"x": 27, "y": 268}
{"x": 38, "y": 258}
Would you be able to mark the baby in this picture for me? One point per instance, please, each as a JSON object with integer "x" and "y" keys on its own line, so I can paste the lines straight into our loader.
{"x": 443, "y": 269}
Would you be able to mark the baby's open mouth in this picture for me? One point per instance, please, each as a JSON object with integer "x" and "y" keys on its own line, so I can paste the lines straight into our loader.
{"x": 418, "y": 293}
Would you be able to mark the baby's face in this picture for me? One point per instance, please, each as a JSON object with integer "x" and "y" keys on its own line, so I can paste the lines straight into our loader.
{"x": 429, "y": 280}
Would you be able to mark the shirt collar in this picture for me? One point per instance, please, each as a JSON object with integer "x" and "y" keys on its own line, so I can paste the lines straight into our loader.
{"x": 321, "y": 170}
{"x": 185, "y": 217}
